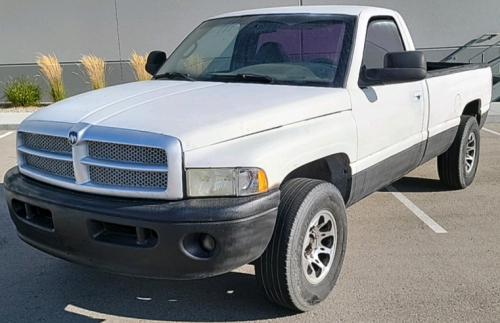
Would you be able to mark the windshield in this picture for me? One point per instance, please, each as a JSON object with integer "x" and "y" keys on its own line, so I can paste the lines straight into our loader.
{"x": 301, "y": 49}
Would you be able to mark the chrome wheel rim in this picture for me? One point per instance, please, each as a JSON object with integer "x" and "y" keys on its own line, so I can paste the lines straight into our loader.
{"x": 319, "y": 247}
{"x": 470, "y": 152}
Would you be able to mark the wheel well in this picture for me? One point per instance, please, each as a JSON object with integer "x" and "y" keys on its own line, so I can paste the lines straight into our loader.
{"x": 334, "y": 169}
{"x": 473, "y": 109}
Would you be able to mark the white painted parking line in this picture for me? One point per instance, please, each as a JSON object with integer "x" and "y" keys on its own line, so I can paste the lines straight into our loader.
{"x": 491, "y": 131}
{"x": 418, "y": 212}
{"x": 101, "y": 317}
{"x": 95, "y": 315}
{"x": 6, "y": 134}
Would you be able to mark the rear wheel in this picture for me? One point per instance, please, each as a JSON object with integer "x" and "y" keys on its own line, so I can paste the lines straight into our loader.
{"x": 302, "y": 262}
{"x": 457, "y": 166}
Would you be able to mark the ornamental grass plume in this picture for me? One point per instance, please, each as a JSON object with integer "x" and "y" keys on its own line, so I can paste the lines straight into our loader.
{"x": 52, "y": 70}
{"x": 195, "y": 64}
{"x": 93, "y": 67}
{"x": 138, "y": 64}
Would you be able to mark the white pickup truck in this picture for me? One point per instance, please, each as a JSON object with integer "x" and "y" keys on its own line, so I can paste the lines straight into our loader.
{"x": 245, "y": 147}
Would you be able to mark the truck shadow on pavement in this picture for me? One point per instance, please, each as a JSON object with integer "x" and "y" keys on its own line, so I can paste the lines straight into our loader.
{"x": 410, "y": 184}
{"x": 92, "y": 294}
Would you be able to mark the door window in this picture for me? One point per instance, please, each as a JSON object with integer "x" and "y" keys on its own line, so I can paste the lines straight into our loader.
{"x": 382, "y": 37}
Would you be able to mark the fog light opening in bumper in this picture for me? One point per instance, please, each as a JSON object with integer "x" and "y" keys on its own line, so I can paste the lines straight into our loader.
{"x": 200, "y": 245}
{"x": 207, "y": 243}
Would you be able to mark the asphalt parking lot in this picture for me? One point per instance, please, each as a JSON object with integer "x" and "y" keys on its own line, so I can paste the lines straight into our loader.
{"x": 397, "y": 268}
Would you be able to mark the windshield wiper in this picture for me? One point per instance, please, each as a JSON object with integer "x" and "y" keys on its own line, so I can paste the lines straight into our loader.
{"x": 174, "y": 75}
{"x": 245, "y": 77}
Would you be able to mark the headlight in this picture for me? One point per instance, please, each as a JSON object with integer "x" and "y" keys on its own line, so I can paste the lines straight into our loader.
{"x": 225, "y": 182}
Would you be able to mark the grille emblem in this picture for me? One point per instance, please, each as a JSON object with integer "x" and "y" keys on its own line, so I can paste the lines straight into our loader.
{"x": 72, "y": 138}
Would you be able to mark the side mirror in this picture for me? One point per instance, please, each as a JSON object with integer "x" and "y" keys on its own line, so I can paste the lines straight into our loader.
{"x": 155, "y": 61}
{"x": 399, "y": 67}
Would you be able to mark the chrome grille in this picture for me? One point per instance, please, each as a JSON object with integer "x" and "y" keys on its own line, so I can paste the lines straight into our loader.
{"x": 54, "y": 166}
{"x": 48, "y": 143}
{"x": 115, "y": 162}
{"x": 128, "y": 153}
{"x": 121, "y": 177}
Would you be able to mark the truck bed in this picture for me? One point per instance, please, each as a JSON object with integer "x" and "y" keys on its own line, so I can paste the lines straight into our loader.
{"x": 445, "y": 68}
{"x": 452, "y": 88}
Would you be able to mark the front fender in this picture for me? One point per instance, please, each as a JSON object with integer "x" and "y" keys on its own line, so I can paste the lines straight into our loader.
{"x": 281, "y": 150}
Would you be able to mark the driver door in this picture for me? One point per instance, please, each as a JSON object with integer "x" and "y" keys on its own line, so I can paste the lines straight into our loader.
{"x": 390, "y": 118}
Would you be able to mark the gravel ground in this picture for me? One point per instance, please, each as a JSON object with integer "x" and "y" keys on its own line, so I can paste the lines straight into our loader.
{"x": 6, "y": 108}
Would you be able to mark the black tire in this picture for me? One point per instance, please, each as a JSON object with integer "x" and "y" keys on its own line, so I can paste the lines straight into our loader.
{"x": 279, "y": 271}
{"x": 457, "y": 167}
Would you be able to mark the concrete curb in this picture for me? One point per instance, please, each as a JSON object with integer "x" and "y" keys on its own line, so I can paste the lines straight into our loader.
{"x": 8, "y": 126}
{"x": 10, "y": 121}
{"x": 493, "y": 119}
{"x": 494, "y": 114}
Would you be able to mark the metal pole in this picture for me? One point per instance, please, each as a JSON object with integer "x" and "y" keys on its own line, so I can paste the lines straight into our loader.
{"x": 119, "y": 45}
{"x": 300, "y": 2}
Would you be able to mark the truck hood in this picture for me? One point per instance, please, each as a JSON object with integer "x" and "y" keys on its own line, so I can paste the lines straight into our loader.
{"x": 198, "y": 113}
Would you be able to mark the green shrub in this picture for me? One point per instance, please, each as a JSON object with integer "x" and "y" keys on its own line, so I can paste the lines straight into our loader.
{"x": 23, "y": 92}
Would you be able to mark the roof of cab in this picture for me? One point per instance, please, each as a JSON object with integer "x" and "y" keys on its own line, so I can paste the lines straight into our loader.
{"x": 345, "y": 10}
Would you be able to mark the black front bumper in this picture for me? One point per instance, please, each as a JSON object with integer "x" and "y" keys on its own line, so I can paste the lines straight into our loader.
{"x": 138, "y": 237}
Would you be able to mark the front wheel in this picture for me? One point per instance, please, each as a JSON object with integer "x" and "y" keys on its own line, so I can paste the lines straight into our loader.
{"x": 457, "y": 166}
{"x": 302, "y": 262}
